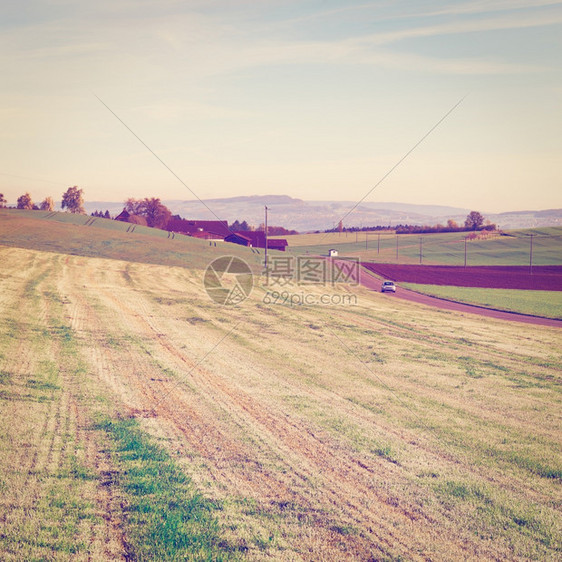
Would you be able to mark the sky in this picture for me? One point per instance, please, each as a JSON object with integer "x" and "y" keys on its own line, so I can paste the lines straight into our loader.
{"x": 315, "y": 99}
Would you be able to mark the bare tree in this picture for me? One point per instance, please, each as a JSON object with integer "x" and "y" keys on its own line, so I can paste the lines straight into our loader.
{"x": 2, "y": 201}
{"x": 25, "y": 202}
{"x": 73, "y": 200}
{"x": 47, "y": 204}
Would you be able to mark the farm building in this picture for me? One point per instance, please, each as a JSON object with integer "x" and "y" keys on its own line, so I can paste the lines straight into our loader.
{"x": 332, "y": 253}
{"x": 208, "y": 230}
{"x": 204, "y": 235}
{"x": 123, "y": 216}
{"x": 256, "y": 239}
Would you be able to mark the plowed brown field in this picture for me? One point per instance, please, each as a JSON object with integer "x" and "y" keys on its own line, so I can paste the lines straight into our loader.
{"x": 540, "y": 278}
{"x": 367, "y": 432}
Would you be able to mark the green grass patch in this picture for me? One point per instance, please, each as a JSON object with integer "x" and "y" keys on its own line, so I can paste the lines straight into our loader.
{"x": 166, "y": 519}
{"x": 492, "y": 506}
{"x": 547, "y": 304}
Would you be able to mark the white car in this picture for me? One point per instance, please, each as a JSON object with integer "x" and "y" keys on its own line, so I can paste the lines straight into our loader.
{"x": 388, "y": 287}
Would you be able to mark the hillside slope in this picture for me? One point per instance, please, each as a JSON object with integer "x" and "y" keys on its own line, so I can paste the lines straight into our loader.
{"x": 83, "y": 235}
{"x": 372, "y": 429}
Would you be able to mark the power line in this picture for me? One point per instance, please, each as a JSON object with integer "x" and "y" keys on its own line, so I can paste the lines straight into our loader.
{"x": 403, "y": 158}
{"x": 157, "y": 157}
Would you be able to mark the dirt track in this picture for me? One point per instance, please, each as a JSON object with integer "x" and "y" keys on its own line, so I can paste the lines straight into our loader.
{"x": 374, "y": 284}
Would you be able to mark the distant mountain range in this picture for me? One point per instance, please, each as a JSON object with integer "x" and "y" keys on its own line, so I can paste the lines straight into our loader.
{"x": 321, "y": 215}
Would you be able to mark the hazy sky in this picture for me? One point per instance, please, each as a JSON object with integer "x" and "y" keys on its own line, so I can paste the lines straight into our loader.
{"x": 313, "y": 99}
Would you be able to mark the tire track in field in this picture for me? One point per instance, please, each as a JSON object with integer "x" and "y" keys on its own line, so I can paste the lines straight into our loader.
{"x": 131, "y": 369}
{"x": 285, "y": 439}
{"x": 236, "y": 463}
{"x": 45, "y": 415}
{"x": 21, "y": 361}
{"x": 72, "y": 439}
{"x": 176, "y": 415}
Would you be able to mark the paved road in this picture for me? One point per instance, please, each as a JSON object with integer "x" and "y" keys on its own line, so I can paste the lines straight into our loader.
{"x": 373, "y": 283}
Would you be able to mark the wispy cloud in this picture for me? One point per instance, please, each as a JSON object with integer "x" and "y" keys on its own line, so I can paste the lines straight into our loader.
{"x": 498, "y": 23}
{"x": 235, "y": 49}
{"x": 207, "y": 44}
{"x": 487, "y": 6}
{"x": 361, "y": 52}
{"x": 392, "y": 10}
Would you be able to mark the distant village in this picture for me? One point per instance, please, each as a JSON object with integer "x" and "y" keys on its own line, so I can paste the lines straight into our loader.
{"x": 216, "y": 230}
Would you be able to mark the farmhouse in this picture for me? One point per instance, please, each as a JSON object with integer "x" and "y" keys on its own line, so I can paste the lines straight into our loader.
{"x": 332, "y": 253}
{"x": 123, "y": 216}
{"x": 208, "y": 230}
{"x": 256, "y": 239}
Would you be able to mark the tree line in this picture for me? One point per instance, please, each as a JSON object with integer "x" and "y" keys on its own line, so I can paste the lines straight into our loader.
{"x": 356, "y": 229}
{"x": 101, "y": 214}
{"x": 72, "y": 199}
{"x": 474, "y": 221}
{"x": 149, "y": 211}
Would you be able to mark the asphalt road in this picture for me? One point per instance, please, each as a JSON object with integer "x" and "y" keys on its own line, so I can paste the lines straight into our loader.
{"x": 373, "y": 283}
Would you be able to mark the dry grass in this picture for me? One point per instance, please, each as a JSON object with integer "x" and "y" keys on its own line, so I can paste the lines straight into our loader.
{"x": 54, "y": 504}
{"x": 380, "y": 430}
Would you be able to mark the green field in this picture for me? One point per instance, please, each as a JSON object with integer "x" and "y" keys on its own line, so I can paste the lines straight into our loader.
{"x": 140, "y": 420}
{"x": 445, "y": 249}
{"x": 547, "y": 304}
{"x": 97, "y": 237}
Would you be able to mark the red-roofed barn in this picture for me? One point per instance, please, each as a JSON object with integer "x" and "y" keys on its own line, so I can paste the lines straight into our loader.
{"x": 256, "y": 239}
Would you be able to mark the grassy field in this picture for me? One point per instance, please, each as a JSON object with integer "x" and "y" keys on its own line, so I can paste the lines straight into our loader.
{"x": 96, "y": 237}
{"x": 330, "y": 239}
{"x": 547, "y": 304}
{"x": 139, "y": 419}
{"x": 445, "y": 249}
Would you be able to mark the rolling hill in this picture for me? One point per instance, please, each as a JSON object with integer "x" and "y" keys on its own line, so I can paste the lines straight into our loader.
{"x": 304, "y": 216}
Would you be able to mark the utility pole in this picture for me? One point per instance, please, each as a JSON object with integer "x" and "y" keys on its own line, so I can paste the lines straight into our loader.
{"x": 366, "y": 238}
{"x": 465, "y": 250}
{"x": 531, "y": 256}
{"x": 421, "y": 238}
{"x": 397, "y": 247}
{"x": 265, "y": 232}
{"x": 379, "y": 244}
